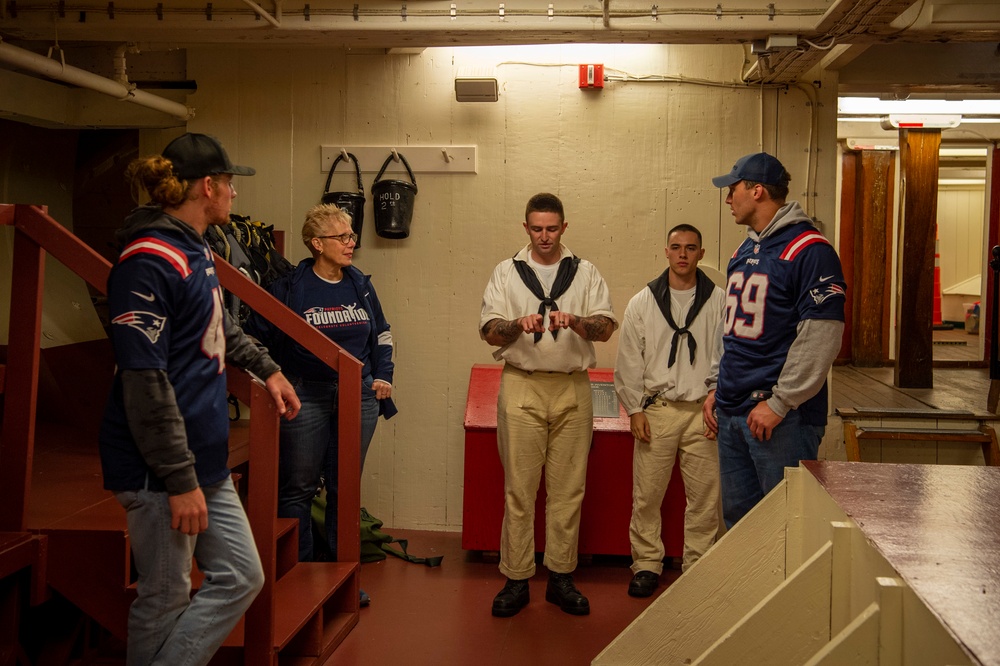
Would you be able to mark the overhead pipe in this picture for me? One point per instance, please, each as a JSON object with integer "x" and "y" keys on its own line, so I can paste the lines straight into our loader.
{"x": 121, "y": 70}
{"x": 60, "y": 71}
{"x": 261, "y": 12}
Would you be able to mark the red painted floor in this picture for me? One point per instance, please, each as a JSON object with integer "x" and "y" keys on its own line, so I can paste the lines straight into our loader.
{"x": 441, "y": 616}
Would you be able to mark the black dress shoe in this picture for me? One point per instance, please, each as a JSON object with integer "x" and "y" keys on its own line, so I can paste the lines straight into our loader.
{"x": 643, "y": 584}
{"x": 511, "y": 599}
{"x": 562, "y": 592}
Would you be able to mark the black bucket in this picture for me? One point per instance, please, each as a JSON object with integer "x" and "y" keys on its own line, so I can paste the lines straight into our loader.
{"x": 393, "y": 202}
{"x": 352, "y": 202}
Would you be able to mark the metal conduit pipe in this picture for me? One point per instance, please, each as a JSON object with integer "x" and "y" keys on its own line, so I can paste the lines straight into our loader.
{"x": 263, "y": 12}
{"x": 60, "y": 71}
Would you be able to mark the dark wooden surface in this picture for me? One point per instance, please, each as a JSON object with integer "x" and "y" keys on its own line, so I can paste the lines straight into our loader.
{"x": 954, "y": 389}
{"x": 936, "y": 525}
{"x": 915, "y": 297}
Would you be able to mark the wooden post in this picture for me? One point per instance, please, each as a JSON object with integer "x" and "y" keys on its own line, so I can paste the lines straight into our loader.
{"x": 872, "y": 240}
{"x": 849, "y": 166}
{"x": 915, "y": 283}
{"x": 17, "y": 443}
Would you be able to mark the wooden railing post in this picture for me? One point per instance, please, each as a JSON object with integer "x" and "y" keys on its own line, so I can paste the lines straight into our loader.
{"x": 349, "y": 464}
{"x": 17, "y": 441}
{"x": 262, "y": 512}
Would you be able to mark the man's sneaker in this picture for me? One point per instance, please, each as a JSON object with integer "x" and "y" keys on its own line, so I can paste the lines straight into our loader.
{"x": 511, "y": 599}
{"x": 643, "y": 584}
{"x": 365, "y": 599}
{"x": 562, "y": 592}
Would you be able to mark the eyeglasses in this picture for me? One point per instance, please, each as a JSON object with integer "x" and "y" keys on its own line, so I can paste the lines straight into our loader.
{"x": 343, "y": 238}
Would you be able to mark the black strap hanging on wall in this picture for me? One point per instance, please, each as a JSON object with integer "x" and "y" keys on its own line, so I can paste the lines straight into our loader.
{"x": 352, "y": 202}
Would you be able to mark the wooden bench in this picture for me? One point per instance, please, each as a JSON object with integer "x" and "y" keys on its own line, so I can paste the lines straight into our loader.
{"x": 919, "y": 425}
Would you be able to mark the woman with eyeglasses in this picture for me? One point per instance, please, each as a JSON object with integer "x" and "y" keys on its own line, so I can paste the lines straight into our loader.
{"x": 331, "y": 294}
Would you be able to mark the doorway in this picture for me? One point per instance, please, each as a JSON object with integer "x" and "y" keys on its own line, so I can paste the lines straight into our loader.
{"x": 869, "y": 193}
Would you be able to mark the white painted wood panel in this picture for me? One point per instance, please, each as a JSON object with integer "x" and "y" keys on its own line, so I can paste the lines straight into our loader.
{"x": 689, "y": 615}
{"x": 789, "y": 626}
{"x": 842, "y": 605}
{"x": 855, "y": 645}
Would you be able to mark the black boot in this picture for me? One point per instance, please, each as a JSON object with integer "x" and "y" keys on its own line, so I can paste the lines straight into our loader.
{"x": 562, "y": 592}
{"x": 511, "y": 599}
{"x": 643, "y": 584}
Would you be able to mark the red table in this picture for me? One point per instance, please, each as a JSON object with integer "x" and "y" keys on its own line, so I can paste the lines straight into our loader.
{"x": 607, "y": 504}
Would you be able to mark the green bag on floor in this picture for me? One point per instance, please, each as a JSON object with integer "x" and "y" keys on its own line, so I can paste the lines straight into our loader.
{"x": 374, "y": 542}
{"x": 372, "y": 538}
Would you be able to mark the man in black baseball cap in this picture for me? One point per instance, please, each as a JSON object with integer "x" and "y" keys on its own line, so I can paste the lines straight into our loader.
{"x": 198, "y": 155}
{"x": 164, "y": 440}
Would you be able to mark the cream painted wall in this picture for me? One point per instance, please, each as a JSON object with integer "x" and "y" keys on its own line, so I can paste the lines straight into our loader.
{"x": 960, "y": 232}
{"x": 629, "y": 162}
{"x": 960, "y": 243}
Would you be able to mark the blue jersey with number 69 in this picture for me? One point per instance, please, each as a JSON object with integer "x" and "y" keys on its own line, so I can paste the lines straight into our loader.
{"x": 775, "y": 282}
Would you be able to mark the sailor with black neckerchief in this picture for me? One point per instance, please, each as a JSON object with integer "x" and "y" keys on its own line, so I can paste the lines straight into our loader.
{"x": 666, "y": 350}
{"x": 544, "y": 308}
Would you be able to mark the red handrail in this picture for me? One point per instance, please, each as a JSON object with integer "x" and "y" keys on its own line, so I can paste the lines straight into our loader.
{"x": 37, "y": 234}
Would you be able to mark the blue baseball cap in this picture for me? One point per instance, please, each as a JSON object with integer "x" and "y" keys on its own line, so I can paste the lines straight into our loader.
{"x": 757, "y": 167}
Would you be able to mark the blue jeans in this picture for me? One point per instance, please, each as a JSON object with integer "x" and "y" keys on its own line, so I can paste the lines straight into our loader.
{"x": 166, "y": 625}
{"x": 308, "y": 450}
{"x": 750, "y": 468}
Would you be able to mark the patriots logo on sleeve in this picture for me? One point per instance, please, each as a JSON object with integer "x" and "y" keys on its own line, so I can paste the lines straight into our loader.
{"x": 820, "y": 294}
{"x": 151, "y": 325}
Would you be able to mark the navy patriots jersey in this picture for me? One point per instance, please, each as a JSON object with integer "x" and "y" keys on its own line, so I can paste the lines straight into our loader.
{"x": 774, "y": 284}
{"x": 166, "y": 312}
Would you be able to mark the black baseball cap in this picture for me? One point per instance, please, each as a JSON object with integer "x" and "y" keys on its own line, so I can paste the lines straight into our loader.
{"x": 757, "y": 167}
{"x": 199, "y": 155}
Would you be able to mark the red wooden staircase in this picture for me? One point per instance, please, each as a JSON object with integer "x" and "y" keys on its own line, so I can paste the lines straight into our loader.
{"x": 62, "y": 533}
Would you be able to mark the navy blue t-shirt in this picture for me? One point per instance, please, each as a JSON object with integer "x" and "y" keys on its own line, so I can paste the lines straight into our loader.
{"x": 337, "y": 311}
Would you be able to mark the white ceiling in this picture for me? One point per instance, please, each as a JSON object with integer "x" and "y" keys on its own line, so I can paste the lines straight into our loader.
{"x": 850, "y": 26}
{"x": 888, "y": 47}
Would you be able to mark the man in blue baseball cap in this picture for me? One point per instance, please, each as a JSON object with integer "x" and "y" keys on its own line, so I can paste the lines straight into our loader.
{"x": 782, "y": 331}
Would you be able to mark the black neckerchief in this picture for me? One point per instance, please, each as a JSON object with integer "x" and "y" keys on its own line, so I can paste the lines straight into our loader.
{"x": 661, "y": 292}
{"x": 564, "y": 278}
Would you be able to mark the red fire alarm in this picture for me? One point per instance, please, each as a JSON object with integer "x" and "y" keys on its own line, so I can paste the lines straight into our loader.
{"x": 591, "y": 76}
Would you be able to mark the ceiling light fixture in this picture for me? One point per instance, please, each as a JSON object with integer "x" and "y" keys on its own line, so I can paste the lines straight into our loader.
{"x": 859, "y": 106}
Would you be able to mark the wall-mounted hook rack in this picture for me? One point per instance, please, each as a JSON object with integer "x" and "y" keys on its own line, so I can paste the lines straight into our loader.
{"x": 422, "y": 159}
